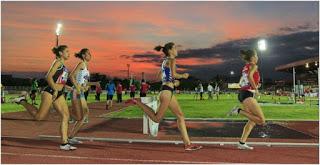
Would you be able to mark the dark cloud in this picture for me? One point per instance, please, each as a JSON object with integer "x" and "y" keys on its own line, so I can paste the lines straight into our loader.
{"x": 282, "y": 49}
{"x": 304, "y": 27}
{"x": 148, "y": 57}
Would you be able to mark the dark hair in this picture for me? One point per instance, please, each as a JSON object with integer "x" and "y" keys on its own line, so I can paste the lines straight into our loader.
{"x": 58, "y": 49}
{"x": 82, "y": 51}
{"x": 165, "y": 48}
{"x": 247, "y": 54}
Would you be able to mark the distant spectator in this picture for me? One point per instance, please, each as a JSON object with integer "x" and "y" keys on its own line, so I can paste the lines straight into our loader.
{"x": 144, "y": 88}
{"x": 110, "y": 88}
{"x": 132, "y": 91}
{"x": 217, "y": 90}
{"x": 98, "y": 92}
{"x": 119, "y": 92}
{"x": 210, "y": 90}
{"x": 201, "y": 91}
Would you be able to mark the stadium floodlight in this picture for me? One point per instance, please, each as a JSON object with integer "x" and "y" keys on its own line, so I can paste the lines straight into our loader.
{"x": 262, "y": 45}
{"x": 58, "y": 30}
{"x": 307, "y": 65}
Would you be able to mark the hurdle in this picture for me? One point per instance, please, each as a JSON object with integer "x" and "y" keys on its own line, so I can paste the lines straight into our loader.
{"x": 150, "y": 127}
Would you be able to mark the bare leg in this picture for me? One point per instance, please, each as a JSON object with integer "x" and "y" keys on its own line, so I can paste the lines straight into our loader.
{"x": 42, "y": 112}
{"x": 62, "y": 107}
{"x": 79, "y": 123}
{"x": 253, "y": 111}
{"x": 247, "y": 130}
{"x": 165, "y": 97}
{"x": 175, "y": 108}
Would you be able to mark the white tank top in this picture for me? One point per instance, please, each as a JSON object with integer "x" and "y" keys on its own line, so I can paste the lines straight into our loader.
{"x": 83, "y": 76}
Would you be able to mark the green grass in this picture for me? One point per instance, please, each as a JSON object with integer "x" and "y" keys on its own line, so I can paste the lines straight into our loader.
{"x": 9, "y": 107}
{"x": 210, "y": 108}
{"x": 218, "y": 109}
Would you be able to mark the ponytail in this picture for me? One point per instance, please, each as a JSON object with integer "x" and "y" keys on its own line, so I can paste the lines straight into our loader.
{"x": 58, "y": 49}
{"x": 81, "y": 53}
{"x": 165, "y": 48}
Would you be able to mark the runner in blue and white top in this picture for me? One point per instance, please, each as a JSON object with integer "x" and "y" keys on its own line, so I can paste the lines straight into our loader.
{"x": 80, "y": 79}
{"x": 167, "y": 99}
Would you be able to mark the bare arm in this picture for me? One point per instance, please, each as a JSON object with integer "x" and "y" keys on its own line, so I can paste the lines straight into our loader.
{"x": 49, "y": 77}
{"x": 253, "y": 68}
{"x": 93, "y": 83}
{"x": 174, "y": 73}
{"x": 73, "y": 76}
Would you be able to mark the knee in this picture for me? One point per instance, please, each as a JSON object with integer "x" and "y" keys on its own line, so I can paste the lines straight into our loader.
{"x": 180, "y": 117}
{"x": 78, "y": 117}
{"x": 262, "y": 121}
{"x": 252, "y": 124}
{"x": 65, "y": 116}
{"x": 157, "y": 119}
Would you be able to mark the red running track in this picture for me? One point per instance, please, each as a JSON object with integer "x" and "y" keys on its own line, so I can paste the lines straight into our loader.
{"x": 30, "y": 150}
{"x": 42, "y": 151}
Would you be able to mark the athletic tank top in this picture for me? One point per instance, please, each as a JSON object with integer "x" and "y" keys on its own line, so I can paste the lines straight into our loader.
{"x": 83, "y": 77}
{"x": 61, "y": 75}
{"x": 245, "y": 84}
{"x": 166, "y": 72}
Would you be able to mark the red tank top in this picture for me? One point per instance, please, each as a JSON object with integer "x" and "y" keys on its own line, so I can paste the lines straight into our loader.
{"x": 245, "y": 84}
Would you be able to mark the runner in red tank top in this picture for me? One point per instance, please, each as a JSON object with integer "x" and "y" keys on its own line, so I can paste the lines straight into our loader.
{"x": 249, "y": 84}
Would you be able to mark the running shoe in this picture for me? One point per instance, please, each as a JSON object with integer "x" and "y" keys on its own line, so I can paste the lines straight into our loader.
{"x": 74, "y": 141}
{"x": 72, "y": 120}
{"x": 244, "y": 147}
{"x": 67, "y": 147}
{"x": 131, "y": 101}
{"x": 192, "y": 147}
{"x": 86, "y": 120}
{"x": 18, "y": 99}
{"x": 234, "y": 111}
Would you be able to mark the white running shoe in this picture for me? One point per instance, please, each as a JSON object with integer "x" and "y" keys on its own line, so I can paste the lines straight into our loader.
{"x": 234, "y": 111}
{"x": 71, "y": 120}
{"x": 17, "y": 99}
{"x": 74, "y": 141}
{"x": 86, "y": 120}
{"x": 244, "y": 147}
{"x": 67, "y": 147}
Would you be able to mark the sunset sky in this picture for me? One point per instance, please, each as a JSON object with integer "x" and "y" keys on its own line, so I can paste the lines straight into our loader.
{"x": 118, "y": 33}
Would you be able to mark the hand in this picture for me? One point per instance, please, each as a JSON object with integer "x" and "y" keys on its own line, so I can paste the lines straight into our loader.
{"x": 78, "y": 89}
{"x": 85, "y": 88}
{"x": 68, "y": 88}
{"x": 256, "y": 92}
{"x": 185, "y": 75}
{"x": 58, "y": 87}
{"x": 176, "y": 83}
{"x": 259, "y": 85}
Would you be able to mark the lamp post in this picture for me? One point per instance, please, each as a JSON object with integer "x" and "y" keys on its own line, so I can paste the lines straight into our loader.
{"x": 58, "y": 32}
{"x": 262, "y": 46}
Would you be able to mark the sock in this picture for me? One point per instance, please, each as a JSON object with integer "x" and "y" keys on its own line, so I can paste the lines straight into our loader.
{"x": 241, "y": 143}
